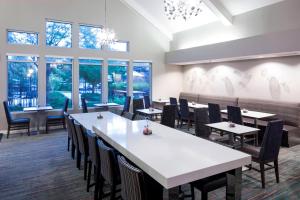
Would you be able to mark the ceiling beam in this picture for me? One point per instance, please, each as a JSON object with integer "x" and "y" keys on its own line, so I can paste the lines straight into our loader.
{"x": 220, "y": 11}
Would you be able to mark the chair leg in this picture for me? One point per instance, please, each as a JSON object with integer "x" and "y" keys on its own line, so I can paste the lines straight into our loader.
{"x": 192, "y": 193}
{"x": 78, "y": 159}
{"x": 69, "y": 143}
{"x": 276, "y": 170}
{"x": 85, "y": 167}
{"x": 89, "y": 176}
{"x": 112, "y": 191}
{"x": 262, "y": 174}
{"x": 28, "y": 130}
{"x": 73, "y": 151}
{"x": 204, "y": 195}
{"x": 97, "y": 183}
{"x": 47, "y": 127}
{"x": 8, "y": 131}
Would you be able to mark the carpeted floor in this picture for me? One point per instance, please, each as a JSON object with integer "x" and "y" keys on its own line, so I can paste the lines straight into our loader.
{"x": 38, "y": 167}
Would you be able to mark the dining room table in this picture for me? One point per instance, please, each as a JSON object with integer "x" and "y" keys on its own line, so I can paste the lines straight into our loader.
{"x": 170, "y": 156}
{"x": 38, "y": 110}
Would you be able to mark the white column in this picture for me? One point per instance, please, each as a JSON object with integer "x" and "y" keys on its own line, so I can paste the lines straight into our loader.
{"x": 104, "y": 81}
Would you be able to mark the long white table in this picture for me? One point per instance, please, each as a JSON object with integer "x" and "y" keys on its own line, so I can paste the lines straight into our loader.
{"x": 169, "y": 156}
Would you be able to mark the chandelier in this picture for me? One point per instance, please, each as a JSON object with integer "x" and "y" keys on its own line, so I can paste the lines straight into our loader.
{"x": 107, "y": 36}
{"x": 183, "y": 9}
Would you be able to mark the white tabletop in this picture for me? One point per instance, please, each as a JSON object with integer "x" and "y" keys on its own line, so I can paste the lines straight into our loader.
{"x": 148, "y": 111}
{"x": 197, "y": 105}
{"x": 164, "y": 101}
{"x": 106, "y": 104}
{"x": 254, "y": 114}
{"x": 237, "y": 129}
{"x": 170, "y": 156}
{"x": 40, "y": 108}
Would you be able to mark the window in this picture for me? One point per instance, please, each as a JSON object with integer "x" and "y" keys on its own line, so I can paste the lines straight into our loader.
{"x": 22, "y": 81}
{"x": 119, "y": 46}
{"x": 22, "y": 37}
{"x": 89, "y": 37}
{"x": 117, "y": 81}
{"x": 90, "y": 86}
{"x": 142, "y": 79}
{"x": 58, "y": 34}
{"x": 58, "y": 81}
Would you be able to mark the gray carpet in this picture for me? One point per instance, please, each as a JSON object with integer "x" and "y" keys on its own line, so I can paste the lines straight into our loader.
{"x": 39, "y": 167}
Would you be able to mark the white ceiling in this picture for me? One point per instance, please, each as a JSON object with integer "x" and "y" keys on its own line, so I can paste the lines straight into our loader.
{"x": 212, "y": 10}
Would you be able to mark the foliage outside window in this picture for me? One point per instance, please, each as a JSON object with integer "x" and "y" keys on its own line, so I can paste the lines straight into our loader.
{"x": 90, "y": 86}
{"x": 89, "y": 37}
{"x": 142, "y": 79}
{"x": 119, "y": 46}
{"x": 117, "y": 81}
{"x": 58, "y": 81}
{"x": 22, "y": 37}
{"x": 58, "y": 34}
{"x": 22, "y": 82}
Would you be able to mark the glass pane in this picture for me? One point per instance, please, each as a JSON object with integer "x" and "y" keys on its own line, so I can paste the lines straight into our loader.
{"x": 117, "y": 83}
{"x": 58, "y": 34}
{"x": 59, "y": 60}
{"x": 15, "y": 37}
{"x": 22, "y": 85}
{"x": 59, "y": 84}
{"x": 22, "y": 58}
{"x": 119, "y": 46}
{"x": 141, "y": 79}
{"x": 90, "y": 86}
{"x": 90, "y": 61}
{"x": 89, "y": 37}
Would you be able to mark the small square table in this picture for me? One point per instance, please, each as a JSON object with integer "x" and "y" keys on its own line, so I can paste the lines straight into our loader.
{"x": 150, "y": 112}
{"x": 106, "y": 105}
{"x": 196, "y": 105}
{"x": 238, "y": 130}
{"x": 38, "y": 110}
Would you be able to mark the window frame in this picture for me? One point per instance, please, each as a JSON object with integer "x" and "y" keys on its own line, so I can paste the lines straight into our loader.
{"x": 23, "y": 31}
{"x": 62, "y": 22}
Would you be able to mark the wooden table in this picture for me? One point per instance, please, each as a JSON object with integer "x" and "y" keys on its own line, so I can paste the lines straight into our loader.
{"x": 238, "y": 130}
{"x": 255, "y": 115}
{"x": 38, "y": 110}
{"x": 169, "y": 156}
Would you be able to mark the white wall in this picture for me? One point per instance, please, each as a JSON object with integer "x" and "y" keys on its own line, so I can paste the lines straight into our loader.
{"x": 271, "y": 79}
{"x": 278, "y": 17}
{"x": 146, "y": 42}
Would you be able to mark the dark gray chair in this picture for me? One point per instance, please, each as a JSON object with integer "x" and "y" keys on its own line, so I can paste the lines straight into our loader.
{"x": 1, "y": 136}
{"x": 68, "y": 130}
{"x": 147, "y": 102}
{"x": 84, "y": 105}
{"x": 57, "y": 120}
{"x": 168, "y": 116}
{"x": 269, "y": 150}
{"x": 185, "y": 114}
{"x": 139, "y": 117}
{"x": 128, "y": 115}
{"x": 126, "y": 107}
{"x": 173, "y": 101}
{"x": 137, "y": 104}
{"x": 235, "y": 114}
{"x": 214, "y": 112}
{"x": 74, "y": 146}
{"x": 15, "y": 123}
{"x": 115, "y": 110}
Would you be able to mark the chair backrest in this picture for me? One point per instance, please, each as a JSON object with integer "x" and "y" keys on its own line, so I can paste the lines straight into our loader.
{"x": 184, "y": 108}
{"x": 137, "y": 104}
{"x": 201, "y": 118}
{"x": 93, "y": 148}
{"x": 128, "y": 115}
{"x": 147, "y": 101}
{"x": 168, "y": 116}
{"x": 68, "y": 126}
{"x": 126, "y": 107}
{"x": 70, "y": 123}
{"x": 234, "y": 114}
{"x": 66, "y": 105}
{"x": 82, "y": 142}
{"x": 84, "y": 105}
{"x": 214, "y": 113}
{"x": 108, "y": 164}
{"x": 139, "y": 117}
{"x": 271, "y": 142}
{"x": 132, "y": 181}
{"x": 173, "y": 101}
{"x": 115, "y": 110}
{"x": 7, "y": 112}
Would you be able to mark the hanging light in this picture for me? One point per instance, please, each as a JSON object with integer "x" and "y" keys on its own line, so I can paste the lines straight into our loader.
{"x": 107, "y": 36}
{"x": 183, "y": 9}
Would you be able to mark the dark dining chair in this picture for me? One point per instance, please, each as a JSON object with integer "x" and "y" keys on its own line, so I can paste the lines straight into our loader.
{"x": 168, "y": 116}
{"x": 15, "y": 123}
{"x": 128, "y": 115}
{"x": 185, "y": 114}
{"x": 93, "y": 163}
{"x": 83, "y": 148}
{"x": 269, "y": 150}
{"x": 74, "y": 146}
{"x": 173, "y": 101}
{"x": 137, "y": 185}
{"x": 68, "y": 130}
{"x": 235, "y": 115}
{"x": 137, "y": 104}
{"x": 214, "y": 112}
{"x": 57, "y": 120}
{"x": 115, "y": 110}
{"x": 109, "y": 169}
{"x": 1, "y": 136}
{"x": 147, "y": 101}
{"x": 139, "y": 117}
{"x": 126, "y": 107}
{"x": 84, "y": 105}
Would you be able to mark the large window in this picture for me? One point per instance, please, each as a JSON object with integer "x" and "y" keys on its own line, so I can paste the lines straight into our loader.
{"x": 90, "y": 86}
{"x": 22, "y": 37}
{"x": 89, "y": 37}
{"x": 58, "y": 81}
{"x": 117, "y": 81}
{"x": 22, "y": 81}
{"x": 58, "y": 34}
{"x": 121, "y": 46}
{"x": 142, "y": 79}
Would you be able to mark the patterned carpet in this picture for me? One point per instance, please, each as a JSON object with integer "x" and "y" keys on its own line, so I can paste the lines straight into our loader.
{"x": 39, "y": 167}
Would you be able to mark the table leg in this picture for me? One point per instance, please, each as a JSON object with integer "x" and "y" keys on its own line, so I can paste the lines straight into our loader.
{"x": 234, "y": 184}
{"x": 38, "y": 122}
{"x": 242, "y": 141}
{"x": 173, "y": 193}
